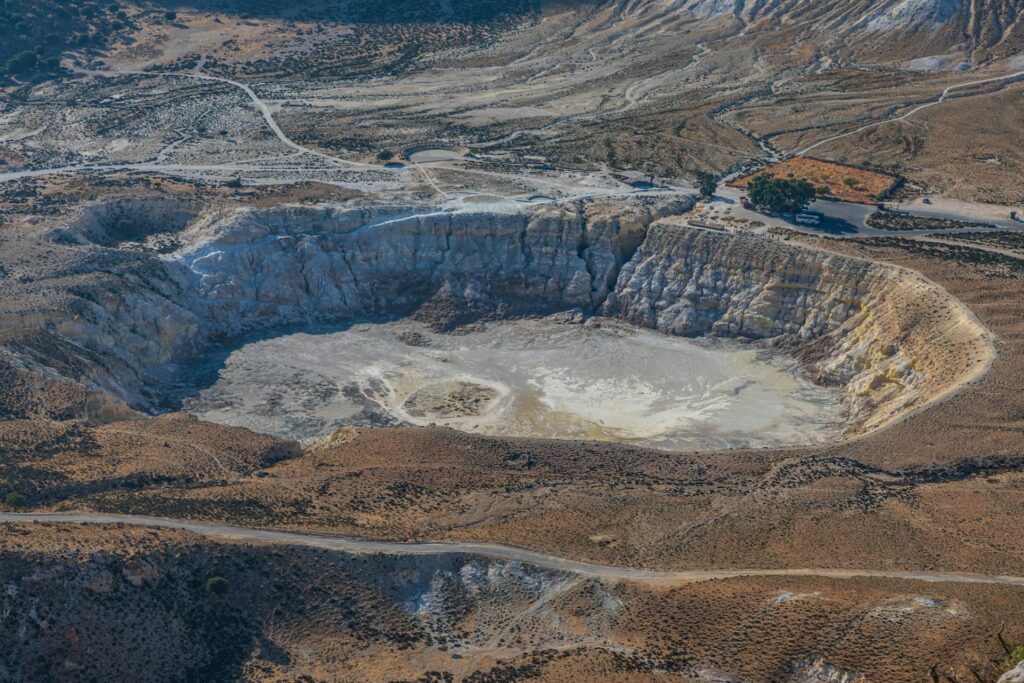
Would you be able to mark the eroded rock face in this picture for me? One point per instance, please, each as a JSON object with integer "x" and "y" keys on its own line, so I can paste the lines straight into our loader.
{"x": 887, "y": 335}
{"x": 129, "y": 322}
{"x": 124, "y": 323}
{"x": 696, "y": 282}
{"x": 267, "y": 269}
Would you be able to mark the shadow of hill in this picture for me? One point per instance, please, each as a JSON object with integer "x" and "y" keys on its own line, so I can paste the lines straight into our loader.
{"x": 376, "y": 11}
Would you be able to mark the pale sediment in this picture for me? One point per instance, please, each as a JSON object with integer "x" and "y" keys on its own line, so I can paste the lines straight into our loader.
{"x": 553, "y": 377}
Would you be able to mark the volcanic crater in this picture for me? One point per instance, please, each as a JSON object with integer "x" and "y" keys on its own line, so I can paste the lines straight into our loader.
{"x": 592, "y": 320}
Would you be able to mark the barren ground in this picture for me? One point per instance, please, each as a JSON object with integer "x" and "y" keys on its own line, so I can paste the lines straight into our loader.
{"x": 554, "y": 108}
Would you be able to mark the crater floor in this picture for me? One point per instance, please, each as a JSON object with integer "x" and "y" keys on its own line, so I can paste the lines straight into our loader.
{"x": 602, "y": 381}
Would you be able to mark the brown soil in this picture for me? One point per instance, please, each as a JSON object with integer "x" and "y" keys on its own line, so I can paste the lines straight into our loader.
{"x": 462, "y": 399}
{"x": 120, "y": 603}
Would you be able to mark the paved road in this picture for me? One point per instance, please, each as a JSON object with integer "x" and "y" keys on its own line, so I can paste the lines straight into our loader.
{"x": 499, "y": 552}
{"x": 845, "y": 219}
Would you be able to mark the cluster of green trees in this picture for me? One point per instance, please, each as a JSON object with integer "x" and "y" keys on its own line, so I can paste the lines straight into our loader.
{"x": 36, "y": 32}
{"x": 22, "y": 63}
{"x": 15, "y": 500}
{"x": 766, "y": 192}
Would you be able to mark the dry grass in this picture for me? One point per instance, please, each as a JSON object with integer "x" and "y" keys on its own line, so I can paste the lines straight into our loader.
{"x": 110, "y": 603}
{"x": 843, "y": 182}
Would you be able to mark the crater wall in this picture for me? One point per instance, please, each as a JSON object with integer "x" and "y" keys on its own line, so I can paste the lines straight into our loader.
{"x": 273, "y": 268}
{"x": 892, "y": 339}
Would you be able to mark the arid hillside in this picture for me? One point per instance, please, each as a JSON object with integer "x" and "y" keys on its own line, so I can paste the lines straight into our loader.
{"x": 440, "y": 341}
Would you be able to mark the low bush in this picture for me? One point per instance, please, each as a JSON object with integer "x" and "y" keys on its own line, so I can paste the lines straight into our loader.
{"x": 217, "y": 585}
{"x": 15, "y": 500}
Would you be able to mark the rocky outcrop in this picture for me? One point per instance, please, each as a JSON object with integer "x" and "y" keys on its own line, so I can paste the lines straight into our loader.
{"x": 696, "y": 282}
{"x": 1015, "y": 675}
{"x": 870, "y": 27}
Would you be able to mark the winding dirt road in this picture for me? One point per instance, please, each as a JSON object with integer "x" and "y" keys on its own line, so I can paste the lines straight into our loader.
{"x": 493, "y": 551}
{"x": 944, "y": 96}
{"x": 261, "y": 106}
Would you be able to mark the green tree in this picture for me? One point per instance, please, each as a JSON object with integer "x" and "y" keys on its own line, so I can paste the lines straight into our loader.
{"x": 22, "y": 63}
{"x": 707, "y": 184}
{"x": 385, "y": 155}
{"x": 780, "y": 194}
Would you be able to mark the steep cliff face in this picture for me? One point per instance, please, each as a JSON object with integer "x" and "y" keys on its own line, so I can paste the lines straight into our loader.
{"x": 892, "y": 339}
{"x": 112, "y": 321}
{"x": 267, "y": 269}
{"x": 277, "y": 269}
{"x": 696, "y": 282}
{"x": 130, "y": 321}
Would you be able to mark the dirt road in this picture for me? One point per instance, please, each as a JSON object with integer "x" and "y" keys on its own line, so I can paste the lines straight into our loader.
{"x": 498, "y": 552}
